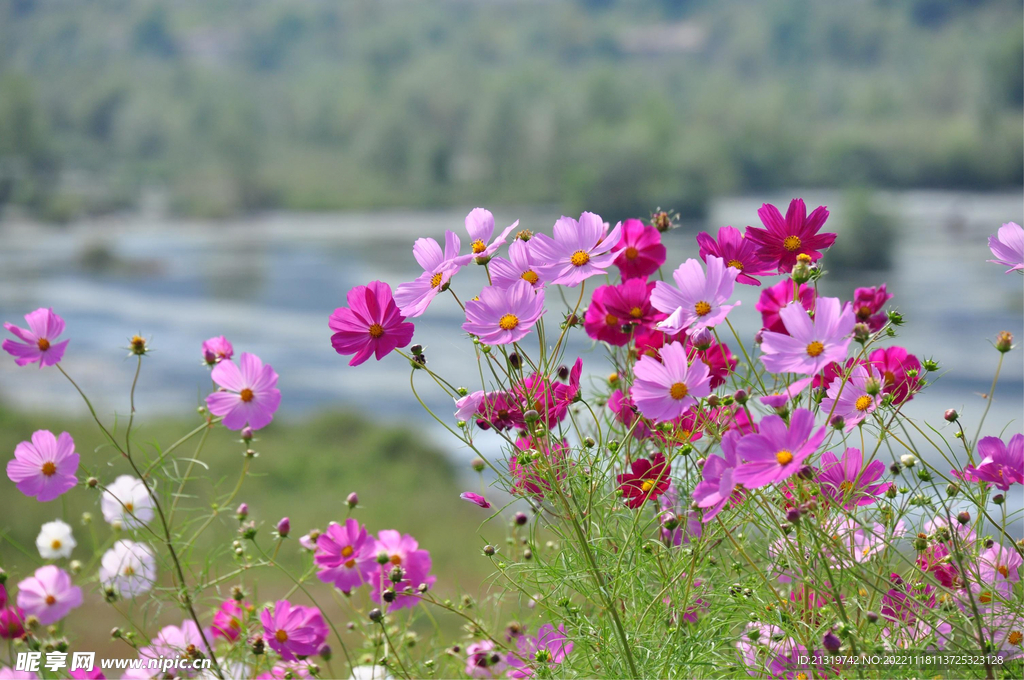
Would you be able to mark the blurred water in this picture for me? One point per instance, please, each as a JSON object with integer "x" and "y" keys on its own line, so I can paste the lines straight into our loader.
{"x": 270, "y": 282}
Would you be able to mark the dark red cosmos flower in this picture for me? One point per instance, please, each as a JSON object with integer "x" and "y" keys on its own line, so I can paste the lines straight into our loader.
{"x": 647, "y": 480}
{"x": 783, "y": 239}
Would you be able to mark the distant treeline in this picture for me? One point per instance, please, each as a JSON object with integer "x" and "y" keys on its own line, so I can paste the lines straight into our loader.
{"x": 229, "y": 105}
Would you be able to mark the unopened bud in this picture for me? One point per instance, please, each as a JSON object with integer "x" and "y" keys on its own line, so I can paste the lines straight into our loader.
{"x": 713, "y": 401}
{"x": 1004, "y": 341}
{"x": 801, "y": 272}
{"x": 246, "y": 434}
{"x": 861, "y": 332}
{"x": 872, "y": 617}
{"x": 416, "y": 349}
{"x": 489, "y": 550}
{"x": 242, "y": 512}
{"x": 702, "y": 339}
{"x": 741, "y": 397}
{"x": 376, "y": 615}
{"x": 952, "y": 489}
{"x": 908, "y": 460}
{"x": 514, "y": 361}
{"x": 92, "y": 482}
{"x": 531, "y": 416}
{"x": 831, "y": 642}
{"x": 563, "y": 372}
{"x": 284, "y": 527}
{"x": 872, "y": 386}
{"x": 998, "y": 499}
{"x": 837, "y": 422}
{"x": 520, "y": 518}
{"x": 352, "y": 500}
{"x": 793, "y": 515}
{"x": 951, "y": 415}
{"x": 964, "y": 517}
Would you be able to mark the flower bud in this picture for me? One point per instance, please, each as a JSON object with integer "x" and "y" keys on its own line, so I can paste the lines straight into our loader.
{"x": 520, "y": 518}
{"x": 837, "y": 422}
{"x": 515, "y": 361}
{"x": 489, "y": 550}
{"x": 589, "y": 442}
{"x": 921, "y": 542}
{"x": 284, "y": 527}
{"x": 397, "y": 574}
{"x": 389, "y": 595}
{"x": 86, "y": 518}
{"x": 890, "y": 493}
{"x": 964, "y": 517}
{"x": 242, "y": 512}
{"x": 138, "y": 345}
{"x": 248, "y": 530}
{"x": 951, "y": 415}
{"x": 741, "y": 397}
{"x": 563, "y": 372}
{"x": 1004, "y": 341}
{"x": 908, "y": 460}
{"x": 713, "y": 401}
{"x": 702, "y": 339}
{"x": 952, "y": 489}
{"x": 861, "y": 333}
{"x": 872, "y": 617}
{"x": 115, "y": 633}
{"x": 759, "y": 337}
{"x": 793, "y": 515}
{"x": 924, "y": 475}
{"x": 478, "y": 464}
{"x": 872, "y": 386}
{"x": 237, "y": 593}
{"x": 376, "y": 615}
{"x": 801, "y": 272}
{"x": 416, "y": 349}
{"x": 75, "y": 566}
{"x": 998, "y": 499}
{"x": 531, "y": 416}
{"x": 831, "y": 642}
{"x": 895, "y": 318}
{"x": 930, "y": 365}
{"x": 613, "y": 446}
{"x": 613, "y": 379}
{"x": 92, "y": 482}
{"x": 352, "y": 500}
{"x": 246, "y": 434}
{"x": 805, "y": 472}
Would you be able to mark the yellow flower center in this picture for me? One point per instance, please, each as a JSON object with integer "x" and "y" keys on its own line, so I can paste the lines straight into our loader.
{"x": 129, "y": 570}
{"x": 863, "y": 313}
{"x": 801, "y": 676}
{"x": 647, "y": 485}
{"x": 376, "y": 330}
{"x": 49, "y": 468}
{"x": 435, "y": 280}
{"x": 1015, "y": 637}
{"x": 281, "y": 636}
{"x": 631, "y": 253}
{"x": 611, "y": 319}
{"x": 479, "y": 246}
{"x": 678, "y": 391}
{"x": 56, "y": 544}
{"x": 530, "y": 276}
{"x": 508, "y": 322}
{"x": 396, "y": 559}
{"x": 347, "y": 551}
{"x": 129, "y": 507}
{"x": 792, "y": 243}
{"x": 862, "y": 403}
{"x": 246, "y": 395}
{"x": 636, "y": 312}
{"x": 1002, "y": 569}
{"x": 736, "y": 264}
{"x": 579, "y": 258}
{"x": 815, "y": 349}
{"x": 784, "y": 457}
{"x": 50, "y": 599}
{"x": 890, "y": 377}
{"x": 846, "y": 486}
{"x": 43, "y": 344}
{"x": 702, "y": 308}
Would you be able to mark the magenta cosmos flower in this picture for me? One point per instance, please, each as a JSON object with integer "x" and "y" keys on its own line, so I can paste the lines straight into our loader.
{"x": 718, "y": 486}
{"x": 504, "y": 315}
{"x": 228, "y": 621}
{"x": 895, "y": 364}
{"x": 45, "y": 467}
{"x": 646, "y": 480}
{"x": 480, "y": 226}
{"x": 38, "y": 343}
{"x": 216, "y": 350}
{"x": 700, "y": 299}
{"x": 371, "y": 325}
{"x": 739, "y": 253}
{"x": 773, "y": 299}
{"x": 600, "y": 323}
{"x": 867, "y": 306}
{"x": 810, "y": 345}
{"x": 784, "y": 239}
{"x": 414, "y": 297}
{"x": 475, "y": 499}
{"x": 248, "y": 395}
{"x": 345, "y": 555}
{"x": 548, "y": 648}
{"x": 1007, "y": 246}
{"x": 293, "y": 630}
{"x": 520, "y": 265}
{"x": 631, "y": 303}
{"x": 578, "y": 251}
{"x": 663, "y": 390}
{"x": 776, "y": 452}
{"x": 402, "y": 551}
{"x": 639, "y": 252}
{"x": 848, "y": 481}
{"x": 850, "y": 399}
{"x": 483, "y": 660}
{"x": 49, "y": 594}
{"x": 1002, "y": 464}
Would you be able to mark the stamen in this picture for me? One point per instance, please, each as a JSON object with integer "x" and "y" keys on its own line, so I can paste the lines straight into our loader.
{"x": 43, "y": 344}
{"x": 376, "y": 330}
{"x": 702, "y": 308}
{"x": 815, "y": 349}
{"x": 784, "y": 457}
{"x": 508, "y": 322}
{"x": 631, "y": 253}
{"x": 678, "y": 391}
{"x": 792, "y": 243}
{"x": 863, "y": 403}
{"x": 479, "y": 246}
{"x": 435, "y": 280}
{"x": 579, "y": 258}
{"x": 246, "y": 395}
{"x": 49, "y": 468}
{"x": 530, "y": 276}
{"x": 736, "y": 264}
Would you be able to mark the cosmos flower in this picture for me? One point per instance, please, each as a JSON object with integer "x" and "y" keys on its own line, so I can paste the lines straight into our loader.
{"x": 622, "y": 406}
{"x": 867, "y": 306}
{"x": 44, "y": 467}
{"x": 900, "y": 372}
{"x": 502, "y": 316}
{"x": 293, "y": 630}
{"x": 475, "y": 499}
{"x": 414, "y": 297}
{"x": 773, "y": 299}
{"x": 776, "y": 452}
{"x": 227, "y": 622}
{"x": 521, "y": 265}
{"x": 699, "y": 300}
{"x": 663, "y": 391}
{"x": 174, "y": 642}
{"x": 37, "y": 343}
{"x": 248, "y": 396}
{"x": 848, "y": 481}
{"x": 718, "y": 486}
{"x": 480, "y": 226}
{"x": 55, "y": 540}
{"x": 129, "y": 568}
{"x": 216, "y": 350}
{"x": 12, "y": 623}
{"x": 630, "y": 301}
{"x": 402, "y": 551}
{"x": 739, "y": 253}
{"x": 1002, "y": 464}
{"x": 548, "y": 648}
{"x": 600, "y": 323}
{"x": 532, "y": 479}
{"x": 127, "y": 502}
{"x": 646, "y": 480}
{"x": 578, "y": 250}
{"x": 48, "y": 594}
{"x": 371, "y": 325}
{"x": 783, "y": 239}
{"x": 639, "y": 252}
{"x": 1007, "y": 247}
{"x": 998, "y": 565}
{"x": 483, "y": 660}
{"x": 345, "y": 555}
{"x": 850, "y": 399}
{"x": 810, "y": 345}
{"x": 789, "y": 392}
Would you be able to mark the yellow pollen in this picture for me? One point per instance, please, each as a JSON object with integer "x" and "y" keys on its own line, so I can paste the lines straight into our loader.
{"x": 50, "y": 599}
{"x": 347, "y": 551}
{"x": 636, "y": 312}
{"x": 396, "y": 559}
{"x": 862, "y": 403}
{"x": 1002, "y": 569}
{"x": 631, "y": 253}
{"x": 846, "y": 486}
{"x": 1015, "y": 637}
{"x": 784, "y": 457}
{"x": 736, "y": 264}
{"x": 611, "y": 319}
{"x": 683, "y": 435}
{"x": 350, "y": 563}
{"x": 678, "y": 391}
{"x": 792, "y": 243}
{"x": 376, "y": 330}
{"x": 43, "y": 344}
{"x": 529, "y": 275}
{"x": 864, "y": 312}
{"x": 129, "y": 570}
{"x": 129, "y": 507}
{"x": 647, "y": 485}
{"x": 801, "y": 676}
{"x": 865, "y": 551}
{"x": 281, "y": 636}
{"x": 803, "y": 257}
{"x": 435, "y": 280}
{"x": 702, "y": 308}
{"x": 479, "y": 246}
{"x": 508, "y": 322}
{"x": 985, "y": 597}
{"x": 579, "y": 258}
{"x": 246, "y": 395}
{"x": 49, "y": 468}
{"x": 815, "y": 349}
{"x": 56, "y": 544}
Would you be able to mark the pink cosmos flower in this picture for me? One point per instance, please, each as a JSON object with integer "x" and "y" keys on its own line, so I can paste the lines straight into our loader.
{"x": 1004, "y": 630}
{"x": 848, "y": 481}
{"x": 521, "y": 266}
{"x": 663, "y": 391}
{"x": 739, "y": 253}
{"x": 600, "y": 323}
{"x": 894, "y": 365}
{"x": 1002, "y": 464}
{"x": 1007, "y": 247}
{"x": 293, "y": 630}
{"x": 173, "y": 642}
{"x": 867, "y": 306}
{"x": 548, "y": 648}
{"x": 851, "y": 399}
{"x": 216, "y": 350}
{"x": 38, "y": 343}
{"x": 345, "y": 555}
{"x": 370, "y": 325}
{"x": 777, "y": 452}
{"x": 700, "y": 299}
{"x": 784, "y": 239}
{"x": 467, "y": 407}
{"x": 49, "y": 594}
{"x": 623, "y": 408}
{"x": 718, "y": 486}
{"x": 646, "y": 480}
{"x": 719, "y": 360}
{"x": 773, "y": 299}
{"x": 639, "y": 252}
{"x": 504, "y": 315}
{"x": 12, "y": 623}
{"x": 82, "y": 674}
{"x": 999, "y": 566}
{"x": 248, "y": 396}
{"x": 480, "y": 225}
{"x": 12, "y": 674}
{"x": 227, "y": 622}
{"x": 530, "y": 479}
{"x": 402, "y": 551}
{"x": 810, "y": 345}
{"x": 483, "y": 660}
{"x": 779, "y": 399}
{"x": 864, "y": 542}
{"x": 687, "y": 521}
{"x": 500, "y": 411}
{"x": 45, "y": 467}
{"x": 578, "y": 251}
{"x": 414, "y": 297}
{"x": 475, "y": 499}
{"x": 630, "y": 301}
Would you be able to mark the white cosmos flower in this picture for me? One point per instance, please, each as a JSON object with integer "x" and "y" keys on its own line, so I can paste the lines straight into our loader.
{"x": 127, "y": 502}
{"x": 129, "y": 568}
{"x": 55, "y": 540}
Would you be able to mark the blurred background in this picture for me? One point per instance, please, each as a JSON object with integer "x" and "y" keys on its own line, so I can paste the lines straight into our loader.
{"x": 182, "y": 170}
